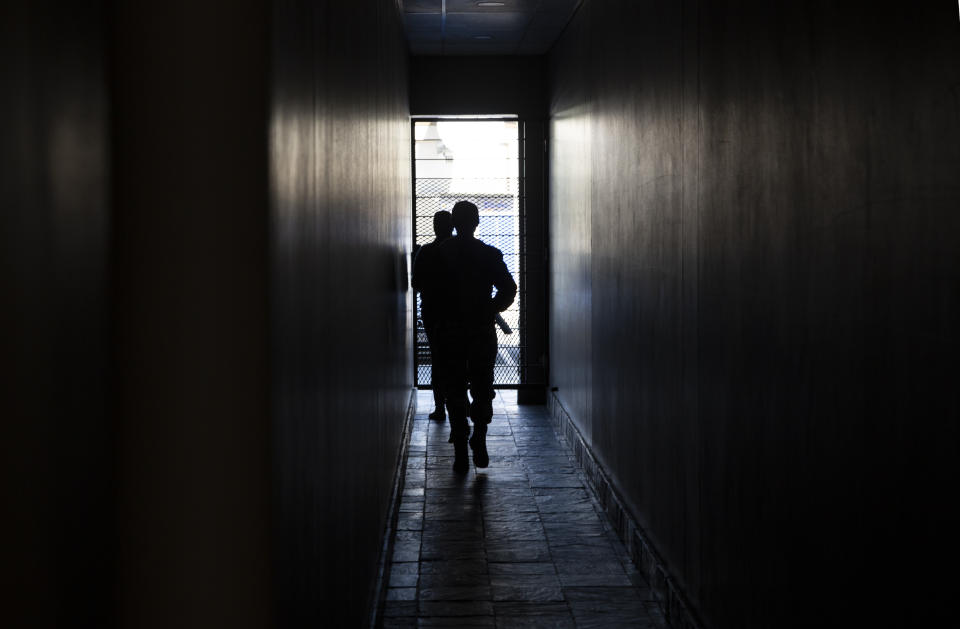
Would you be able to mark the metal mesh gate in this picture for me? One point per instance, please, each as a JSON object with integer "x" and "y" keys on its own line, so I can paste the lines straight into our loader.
{"x": 477, "y": 161}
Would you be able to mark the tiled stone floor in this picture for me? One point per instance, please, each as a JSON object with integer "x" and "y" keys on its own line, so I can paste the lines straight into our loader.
{"x": 519, "y": 544}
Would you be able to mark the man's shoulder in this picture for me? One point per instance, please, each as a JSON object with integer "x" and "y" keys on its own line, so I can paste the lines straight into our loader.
{"x": 471, "y": 248}
{"x": 490, "y": 251}
{"x": 428, "y": 250}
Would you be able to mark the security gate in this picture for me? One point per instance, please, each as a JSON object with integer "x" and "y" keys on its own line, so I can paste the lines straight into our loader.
{"x": 477, "y": 160}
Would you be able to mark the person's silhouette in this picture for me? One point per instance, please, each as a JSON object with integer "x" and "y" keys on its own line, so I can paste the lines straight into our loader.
{"x": 470, "y": 270}
{"x": 425, "y": 271}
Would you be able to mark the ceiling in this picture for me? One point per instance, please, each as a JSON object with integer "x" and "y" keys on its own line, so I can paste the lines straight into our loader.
{"x": 482, "y": 27}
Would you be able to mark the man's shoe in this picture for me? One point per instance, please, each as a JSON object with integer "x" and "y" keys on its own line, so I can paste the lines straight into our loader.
{"x": 478, "y": 443}
{"x": 461, "y": 465}
{"x": 438, "y": 415}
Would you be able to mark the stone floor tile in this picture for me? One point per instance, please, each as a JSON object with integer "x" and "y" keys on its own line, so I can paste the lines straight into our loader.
{"x": 410, "y": 521}
{"x": 522, "y": 551}
{"x": 532, "y": 534}
{"x": 544, "y": 579}
{"x": 456, "y": 608}
{"x": 452, "y": 550}
{"x": 402, "y": 594}
{"x": 453, "y": 529}
{"x": 552, "y": 504}
{"x": 472, "y": 566}
{"x": 545, "y": 621}
{"x": 506, "y": 483}
{"x": 511, "y": 516}
{"x": 596, "y": 580}
{"x": 419, "y": 482}
{"x": 504, "y": 475}
{"x": 399, "y": 608}
{"x": 582, "y": 554}
{"x": 522, "y": 593}
{"x": 554, "y": 480}
{"x": 589, "y": 567}
{"x": 514, "y": 615}
{"x": 401, "y": 622}
{"x": 503, "y": 511}
{"x": 508, "y": 527}
{"x": 407, "y": 536}
{"x": 579, "y": 517}
{"x": 466, "y": 511}
{"x": 577, "y": 493}
{"x": 456, "y": 593}
{"x": 521, "y": 608}
{"x": 606, "y": 621}
{"x": 531, "y": 588}
{"x": 574, "y": 541}
{"x": 400, "y": 580}
{"x": 602, "y": 594}
{"x": 554, "y": 526}
{"x": 500, "y": 491}
{"x": 406, "y": 552}
{"x": 542, "y": 450}
{"x": 611, "y": 614}
{"x": 457, "y": 622}
{"x": 454, "y": 579}
{"x": 411, "y": 504}
{"x": 514, "y": 568}
{"x": 405, "y": 567}
{"x": 441, "y": 502}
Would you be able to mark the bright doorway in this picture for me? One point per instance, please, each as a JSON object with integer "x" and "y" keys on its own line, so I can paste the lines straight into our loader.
{"x": 478, "y": 160}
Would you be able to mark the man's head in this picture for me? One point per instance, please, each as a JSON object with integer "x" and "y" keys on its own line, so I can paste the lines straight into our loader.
{"x": 466, "y": 217}
{"x": 443, "y": 224}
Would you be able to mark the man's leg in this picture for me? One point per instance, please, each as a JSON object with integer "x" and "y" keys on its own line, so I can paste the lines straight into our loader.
{"x": 483, "y": 353}
{"x": 436, "y": 370}
{"x": 455, "y": 393}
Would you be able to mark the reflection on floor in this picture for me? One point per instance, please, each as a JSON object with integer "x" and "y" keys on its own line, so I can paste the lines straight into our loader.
{"x": 519, "y": 544}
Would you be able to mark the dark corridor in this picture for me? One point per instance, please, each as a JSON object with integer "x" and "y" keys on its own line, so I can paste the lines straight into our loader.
{"x": 745, "y": 283}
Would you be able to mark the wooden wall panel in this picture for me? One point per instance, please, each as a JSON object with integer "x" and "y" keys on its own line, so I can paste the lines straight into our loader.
{"x": 754, "y": 292}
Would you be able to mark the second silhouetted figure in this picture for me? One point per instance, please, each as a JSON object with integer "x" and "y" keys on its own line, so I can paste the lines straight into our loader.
{"x": 425, "y": 268}
{"x": 467, "y": 312}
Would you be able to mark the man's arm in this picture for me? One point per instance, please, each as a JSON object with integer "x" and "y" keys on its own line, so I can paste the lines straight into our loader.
{"x": 503, "y": 282}
{"x": 416, "y": 281}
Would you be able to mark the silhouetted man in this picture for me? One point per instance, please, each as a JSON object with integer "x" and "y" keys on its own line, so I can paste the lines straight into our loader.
{"x": 470, "y": 272}
{"x": 425, "y": 271}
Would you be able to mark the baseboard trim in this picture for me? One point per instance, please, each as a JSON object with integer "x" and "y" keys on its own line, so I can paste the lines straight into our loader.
{"x": 673, "y": 602}
{"x": 386, "y": 547}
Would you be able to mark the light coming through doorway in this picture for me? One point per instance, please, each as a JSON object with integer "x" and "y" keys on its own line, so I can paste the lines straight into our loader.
{"x": 477, "y": 160}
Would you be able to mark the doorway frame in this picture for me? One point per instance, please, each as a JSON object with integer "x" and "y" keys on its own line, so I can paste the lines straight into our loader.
{"x": 522, "y": 229}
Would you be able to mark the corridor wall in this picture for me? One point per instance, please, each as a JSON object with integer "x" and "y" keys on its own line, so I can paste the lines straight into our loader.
{"x": 189, "y": 314}
{"x": 55, "y": 445}
{"x": 754, "y": 254}
{"x": 341, "y": 319}
{"x": 261, "y": 236}
{"x": 204, "y": 242}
